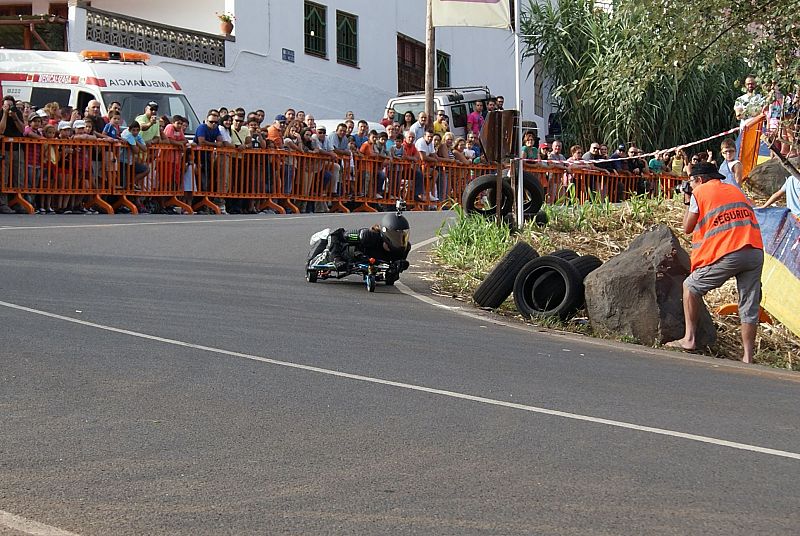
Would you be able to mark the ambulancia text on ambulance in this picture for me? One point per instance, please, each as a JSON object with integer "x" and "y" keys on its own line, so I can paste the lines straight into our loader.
{"x": 74, "y": 79}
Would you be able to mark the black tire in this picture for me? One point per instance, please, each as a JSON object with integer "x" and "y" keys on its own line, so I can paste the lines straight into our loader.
{"x": 586, "y": 264}
{"x": 566, "y": 254}
{"x": 534, "y": 194}
{"x": 533, "y": 197}
{"x": 549, "y": 288}
{"x": 391, "y": 278}
{"x": 562, "y": 305}
{"x": 486, "y": 185}
{"x": 311, "y": 276}
{"x": 499, "y": 283}
{"x": 541, "y": 219}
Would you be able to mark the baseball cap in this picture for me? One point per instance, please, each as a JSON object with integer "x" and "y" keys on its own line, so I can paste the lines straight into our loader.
{"x": 64, "y": 125}
{"x": 79, "y": 123}
{"x": 280, "y": 117}
{"x": 153, "y": 105}
{"x": 33, "y": 115}
{"x": 544, "y": 145}
{"x": 620, "y": 147}
{"x": 41, "y": 113}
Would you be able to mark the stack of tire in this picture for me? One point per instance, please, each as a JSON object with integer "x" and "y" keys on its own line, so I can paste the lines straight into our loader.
{"x": 546, "y": 286}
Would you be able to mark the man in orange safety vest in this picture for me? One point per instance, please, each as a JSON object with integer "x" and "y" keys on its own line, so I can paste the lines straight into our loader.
{"x": 726, "y": 242}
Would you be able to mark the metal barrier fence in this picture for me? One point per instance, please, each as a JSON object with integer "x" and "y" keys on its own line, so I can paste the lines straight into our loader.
{"x": 108, "y": 176}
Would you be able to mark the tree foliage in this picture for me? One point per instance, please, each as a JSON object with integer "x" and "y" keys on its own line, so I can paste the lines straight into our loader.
{"x": 657, "y": 72}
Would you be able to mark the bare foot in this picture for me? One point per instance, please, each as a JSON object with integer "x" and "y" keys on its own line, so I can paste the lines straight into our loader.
{"x": 748, "y": 360}
{"x": 680, "y": 344}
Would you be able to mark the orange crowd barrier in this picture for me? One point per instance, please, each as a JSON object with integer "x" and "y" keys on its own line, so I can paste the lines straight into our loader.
{"x": 57, "y": 169}
{"x": 108, "y": 176}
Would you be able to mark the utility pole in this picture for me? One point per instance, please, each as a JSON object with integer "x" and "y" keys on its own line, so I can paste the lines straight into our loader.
{"x": 430, "y": 61}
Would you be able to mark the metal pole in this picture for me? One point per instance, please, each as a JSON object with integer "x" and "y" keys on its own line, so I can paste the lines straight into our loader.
{"x": 517, "y": 58}
{"x": 430, "y": 62}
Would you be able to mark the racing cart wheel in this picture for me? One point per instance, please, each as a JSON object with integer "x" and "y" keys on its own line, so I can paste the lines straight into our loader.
{"x": 391, "y": 277}
{"x": 311, "y": 276}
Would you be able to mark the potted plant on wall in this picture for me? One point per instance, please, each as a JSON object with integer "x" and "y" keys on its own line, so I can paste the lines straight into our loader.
{"x": 226, "y": 22}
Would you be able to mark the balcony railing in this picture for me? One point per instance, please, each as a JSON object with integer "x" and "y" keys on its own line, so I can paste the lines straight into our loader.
{"x": 154, "y": 38}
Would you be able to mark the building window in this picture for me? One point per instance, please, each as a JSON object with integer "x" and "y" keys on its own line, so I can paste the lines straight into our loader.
{"x": 315, "y": 29}
{"x": 538, "y": 87}
{"x": 346, "y": 38}
{"x": 442, "y": 69}
{"x": 410, "y": 64}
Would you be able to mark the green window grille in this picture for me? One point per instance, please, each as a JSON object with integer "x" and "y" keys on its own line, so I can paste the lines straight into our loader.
{"x": 346, "y": 38}
{"x": 442, "y": 69}
{"x": 315, "y": 29}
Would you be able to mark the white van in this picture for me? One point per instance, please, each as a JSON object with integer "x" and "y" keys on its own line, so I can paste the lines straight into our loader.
{"x": 74, "y": 79}
{"x": 457, "y": 103}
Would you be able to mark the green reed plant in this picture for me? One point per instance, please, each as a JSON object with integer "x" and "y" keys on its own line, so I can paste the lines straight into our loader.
{"x": 472, "y": 243}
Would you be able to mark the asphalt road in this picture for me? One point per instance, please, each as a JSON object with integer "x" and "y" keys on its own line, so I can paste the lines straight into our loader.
{"x": 177, "y": 375}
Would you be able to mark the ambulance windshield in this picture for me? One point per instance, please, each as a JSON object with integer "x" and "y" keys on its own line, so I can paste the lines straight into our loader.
{"x": 133, "y": 105}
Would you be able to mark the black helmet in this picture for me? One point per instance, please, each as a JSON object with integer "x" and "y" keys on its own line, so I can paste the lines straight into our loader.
{"x": 395, "y": 231}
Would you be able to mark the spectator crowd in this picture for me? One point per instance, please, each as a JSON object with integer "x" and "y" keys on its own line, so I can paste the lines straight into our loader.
{"x": 421, "y": 139}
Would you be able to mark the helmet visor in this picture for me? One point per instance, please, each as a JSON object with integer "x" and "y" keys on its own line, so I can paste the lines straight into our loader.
{"x": 396, "y": 239}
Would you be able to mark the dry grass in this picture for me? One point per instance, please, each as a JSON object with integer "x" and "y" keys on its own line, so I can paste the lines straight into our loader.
{"x": 606, "y": 230}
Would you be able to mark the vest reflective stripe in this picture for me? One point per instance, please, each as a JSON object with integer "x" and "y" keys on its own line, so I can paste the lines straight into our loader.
{"x": 723, "y": 208}
{"x": 728, "y": 224}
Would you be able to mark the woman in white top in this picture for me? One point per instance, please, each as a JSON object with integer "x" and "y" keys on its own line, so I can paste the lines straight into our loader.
{"x": 731, "y": 168}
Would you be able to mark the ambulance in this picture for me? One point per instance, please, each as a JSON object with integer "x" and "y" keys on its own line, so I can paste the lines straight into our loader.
{"x": 75, "y": 78}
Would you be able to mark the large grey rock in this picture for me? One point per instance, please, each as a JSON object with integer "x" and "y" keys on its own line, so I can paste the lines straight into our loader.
{"x": 767, "y": 178}
{"x": 639, "y": 293}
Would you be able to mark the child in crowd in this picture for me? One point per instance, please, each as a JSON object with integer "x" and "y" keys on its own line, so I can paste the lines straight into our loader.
{"x": 112, "y": 128}
{"x": 133, "y": 145}
{"x": 63, "y": 176}
{"x": 33, "y": 157}
{"x": 731, "y": 168}
{"x": 50, "y": 158}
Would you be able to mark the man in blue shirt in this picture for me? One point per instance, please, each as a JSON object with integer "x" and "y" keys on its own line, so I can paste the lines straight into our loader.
{"x": 207, "y": 136}
{"x": 362, "y": 134}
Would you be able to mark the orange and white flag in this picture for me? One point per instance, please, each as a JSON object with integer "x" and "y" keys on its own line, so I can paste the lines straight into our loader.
{"x": 481, "y": 13}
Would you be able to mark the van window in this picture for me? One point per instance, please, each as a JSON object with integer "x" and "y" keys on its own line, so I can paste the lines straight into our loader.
{"x": 458, "y": 116}
{"x": 43, "y": 95}
{"x": 133, "y": 105}
{"x": 414, "y": 107}
{"x": 83, "y": 101}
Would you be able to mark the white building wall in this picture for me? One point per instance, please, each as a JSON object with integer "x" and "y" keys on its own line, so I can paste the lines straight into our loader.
{"x": 257, "y": 77}
{"x": 197, "y": 15}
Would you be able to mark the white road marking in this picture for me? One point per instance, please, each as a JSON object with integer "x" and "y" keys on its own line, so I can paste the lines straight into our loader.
{"x": 28, "y": 526}
{"x": 417, "y": 388}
